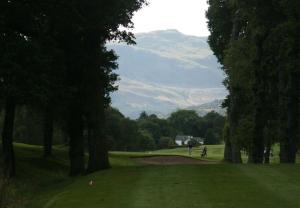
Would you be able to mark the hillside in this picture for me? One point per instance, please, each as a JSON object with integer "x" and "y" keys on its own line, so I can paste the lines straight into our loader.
{"x": 208, "y": 107}
{"x": 164, "y": 71}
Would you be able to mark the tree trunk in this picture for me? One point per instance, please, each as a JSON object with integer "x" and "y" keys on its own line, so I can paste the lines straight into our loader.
{"x": 76, "y": 143}
{"x": 7, "y": 138}
{"x": 267, "y": 155}
{"x": 98, "y": 152}
{"x": 236, "y": 153}
{"x": 228, "y": 152}
{"x": 257, "y": 152}
{"x": 233, "y": 122}
{"x": 48, "y": 131}
{"x": 260, "y": 120}
{"x": 289, "y": 117}
{"x": 226, "y": 137}
{"x": 95, "y": 88}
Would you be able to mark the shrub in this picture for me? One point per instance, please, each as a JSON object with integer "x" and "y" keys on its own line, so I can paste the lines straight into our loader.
{"x": 146, "y": 141}
{"x": 165, "y": 143}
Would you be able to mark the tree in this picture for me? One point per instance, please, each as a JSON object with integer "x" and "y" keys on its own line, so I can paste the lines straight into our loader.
{"x": 165, "y": 143}
{"x": 152, "y": 127}
{"x": 41, "y": 52}
{"x": 21, "y": 59}
{"x": 224, "y": 25}
{"x": 185, "y": 122}
{"x": 260, "y": 60}
{"x": 146, "y": 141}
{"x": 226, "y": 138}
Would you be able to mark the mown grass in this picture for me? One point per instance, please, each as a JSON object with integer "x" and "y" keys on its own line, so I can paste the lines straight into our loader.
{"x": 45, "y": 184}
{"x": 214, "y": 152}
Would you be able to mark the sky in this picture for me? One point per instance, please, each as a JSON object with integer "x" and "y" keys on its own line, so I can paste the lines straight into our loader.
{"x": 187, "y": 16}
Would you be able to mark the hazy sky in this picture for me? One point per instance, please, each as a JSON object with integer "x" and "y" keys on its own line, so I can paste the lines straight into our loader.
{"x": 187, "y": 16}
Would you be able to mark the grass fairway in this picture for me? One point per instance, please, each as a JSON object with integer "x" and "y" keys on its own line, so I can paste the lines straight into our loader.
{"x": 221, "y": 186}
{"x": 129, "y": 185}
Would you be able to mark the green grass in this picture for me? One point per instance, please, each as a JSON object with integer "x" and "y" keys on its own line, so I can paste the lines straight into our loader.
{"x": 44, "y": 184}
{"x": 188, "y": 186}
{"x": 214, "y": 152}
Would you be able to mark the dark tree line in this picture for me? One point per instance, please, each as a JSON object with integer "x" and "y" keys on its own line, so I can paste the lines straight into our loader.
{"x": 150, "y": 132}
{"x": 257, "y": 42}
{"x": 53, "y": 60}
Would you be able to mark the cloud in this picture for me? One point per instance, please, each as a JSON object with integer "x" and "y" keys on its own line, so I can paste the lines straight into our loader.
{"x": 187, "y": 16}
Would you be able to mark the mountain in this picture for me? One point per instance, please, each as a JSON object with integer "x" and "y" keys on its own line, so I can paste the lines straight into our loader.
{"x": 203, "y": 109}
{"x": 164, "y": 71}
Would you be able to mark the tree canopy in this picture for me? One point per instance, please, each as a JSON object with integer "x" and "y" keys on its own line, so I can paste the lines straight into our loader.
{"x": 53, "y": 59}
{"x": 257, "y": 44}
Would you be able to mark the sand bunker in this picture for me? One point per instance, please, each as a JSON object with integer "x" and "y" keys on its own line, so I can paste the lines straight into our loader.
{"x": 171, "y": 160}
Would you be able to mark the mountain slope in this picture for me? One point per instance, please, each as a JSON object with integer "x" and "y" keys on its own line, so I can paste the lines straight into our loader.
{"x": 164, "y": 71}
{"x": 205, "y": 108}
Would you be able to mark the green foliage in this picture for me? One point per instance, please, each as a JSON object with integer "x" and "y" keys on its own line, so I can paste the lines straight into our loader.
{"x": 61, "y": 68}
{"x": 244, "y": 132}
{"x": 214, "y": 127}
{"x": 125, "y": 134}
{"x": 220, "y": 30}
{"x": 185, "y": 121}
{"x": 211, "y": 137}
{"x": 257, "y": 43}
{"x": 152, "y": 126}
{"x": 145, "y": 141}
{"x": 165, "y": 143}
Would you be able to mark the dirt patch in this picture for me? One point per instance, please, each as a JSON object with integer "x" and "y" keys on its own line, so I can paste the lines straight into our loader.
{"x": 171, "y": 160}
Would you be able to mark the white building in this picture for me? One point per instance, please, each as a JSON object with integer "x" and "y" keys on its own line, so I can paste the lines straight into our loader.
{"x": 184, "y": 139}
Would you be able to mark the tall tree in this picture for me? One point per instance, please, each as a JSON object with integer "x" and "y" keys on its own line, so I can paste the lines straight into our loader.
{"x": 102, "y": 20}
{"x": 260, "y": 60}
{"x": 224, "y": 25}
{"x": 20, "y": 64}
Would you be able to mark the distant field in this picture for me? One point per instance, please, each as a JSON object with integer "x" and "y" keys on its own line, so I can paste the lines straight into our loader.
{"x": 44, "y": 184}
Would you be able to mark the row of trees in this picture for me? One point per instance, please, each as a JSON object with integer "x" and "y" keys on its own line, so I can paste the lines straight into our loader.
{"x": 257, "y": 42}
{"x": 149, "y": 132}
{"x": 53, "y": 60}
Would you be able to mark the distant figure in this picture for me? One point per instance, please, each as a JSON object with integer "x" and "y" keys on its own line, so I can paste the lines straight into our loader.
{"x": 204, "y": 152}
{"x": 190, "y": 146}
{"x": 91, "y": 183}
